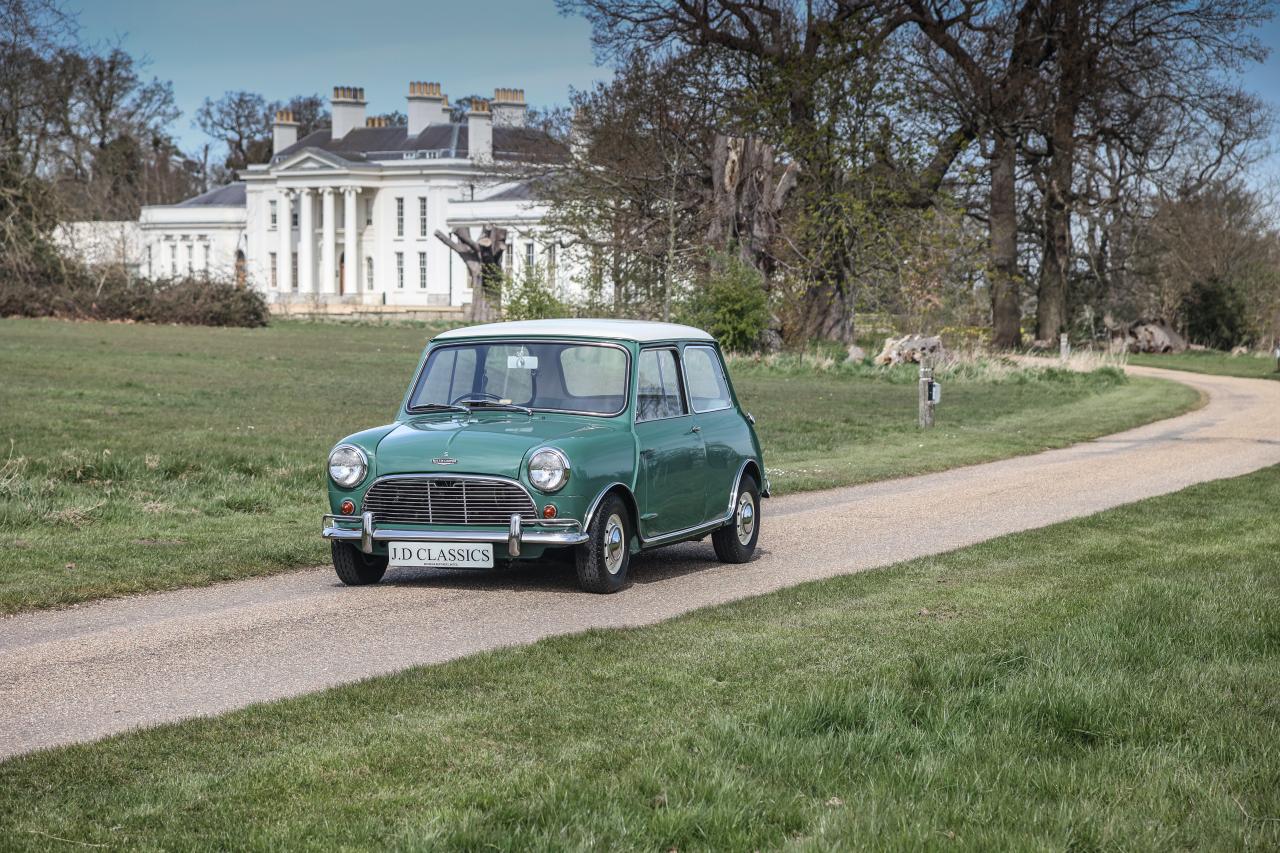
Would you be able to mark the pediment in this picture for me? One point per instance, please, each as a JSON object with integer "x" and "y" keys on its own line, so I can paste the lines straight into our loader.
{"x": 312, "y": 160}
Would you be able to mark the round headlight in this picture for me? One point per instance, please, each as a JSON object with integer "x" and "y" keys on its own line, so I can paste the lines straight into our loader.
{"x": 348, "y": 465}
{"x": 548, "y": 470}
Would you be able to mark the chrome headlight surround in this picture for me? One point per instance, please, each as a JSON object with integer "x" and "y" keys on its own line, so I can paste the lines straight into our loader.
{"x": 548, "y": 470}
{"x": 348, "y": 466}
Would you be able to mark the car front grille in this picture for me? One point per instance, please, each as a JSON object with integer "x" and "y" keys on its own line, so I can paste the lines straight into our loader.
{"x": 448, "y": 500}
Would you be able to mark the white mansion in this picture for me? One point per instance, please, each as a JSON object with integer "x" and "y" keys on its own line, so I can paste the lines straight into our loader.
{"x": 344, "y": 219}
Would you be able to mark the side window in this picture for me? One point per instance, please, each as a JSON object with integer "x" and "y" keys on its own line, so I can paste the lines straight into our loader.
{"x": 708, "y": 389}
{"x": 658, "y": 391}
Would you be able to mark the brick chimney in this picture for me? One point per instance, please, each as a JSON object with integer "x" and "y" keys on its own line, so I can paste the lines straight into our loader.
{"x": 508, "y": 107}
{"x": 284, "y": 132}
{"x": 480, "y": 131}
{"x": 347, "y": 108}
{"x": 426, "y": 107}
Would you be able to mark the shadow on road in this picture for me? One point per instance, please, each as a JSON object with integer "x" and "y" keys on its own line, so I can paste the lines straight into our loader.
{"x": 555, "y": 573}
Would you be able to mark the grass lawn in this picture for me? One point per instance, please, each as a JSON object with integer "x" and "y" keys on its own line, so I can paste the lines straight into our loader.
{"x": 137, "y": 458}
{"x": 1219, "y": 363}
{"x": 1109, "y": 682}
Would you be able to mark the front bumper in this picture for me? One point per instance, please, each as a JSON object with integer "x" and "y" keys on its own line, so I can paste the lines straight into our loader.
{"x": 513, "y": 537}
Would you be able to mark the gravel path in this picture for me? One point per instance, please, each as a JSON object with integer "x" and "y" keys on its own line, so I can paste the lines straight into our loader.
{"x": 94, "y": 670}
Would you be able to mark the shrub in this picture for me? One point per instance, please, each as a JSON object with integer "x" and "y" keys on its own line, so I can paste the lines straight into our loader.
{"x": 95, "y": 295}
{"x": 530, "y": 297}
{"x": 731, "y": 304}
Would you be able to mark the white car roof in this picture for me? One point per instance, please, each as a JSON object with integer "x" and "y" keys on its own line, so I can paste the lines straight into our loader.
{"x": 621, "y": 330}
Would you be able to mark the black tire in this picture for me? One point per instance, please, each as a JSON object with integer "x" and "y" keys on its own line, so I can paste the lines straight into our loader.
{"x": 356, "y": 568}
{"x": 729, "y": 540}
{"x": 599, "y": 567}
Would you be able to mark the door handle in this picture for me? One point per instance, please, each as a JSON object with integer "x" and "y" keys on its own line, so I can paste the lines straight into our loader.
{"x": 696, "y": 429}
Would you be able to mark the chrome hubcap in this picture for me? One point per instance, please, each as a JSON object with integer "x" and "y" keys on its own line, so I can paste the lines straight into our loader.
{"x": 614, "y": 544}
{"x": 746, "y": 518}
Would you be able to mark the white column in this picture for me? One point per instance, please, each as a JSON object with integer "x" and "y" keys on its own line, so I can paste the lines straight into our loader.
{"x": 328, "y": 242}
{"x": 284, "y": 252}
{"x": 306, "y": 243}
{"x": 350, "y": 241}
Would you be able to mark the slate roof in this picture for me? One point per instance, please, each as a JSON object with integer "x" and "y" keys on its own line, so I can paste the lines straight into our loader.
{"x": 376, "y": 143}
{"x": 231, "y": 195}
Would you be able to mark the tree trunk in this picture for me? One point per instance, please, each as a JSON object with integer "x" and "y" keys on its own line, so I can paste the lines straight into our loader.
{"x": 1055, "y": 259}
{"x": 829, "y": 312}
{"x": 1006, "y": 308}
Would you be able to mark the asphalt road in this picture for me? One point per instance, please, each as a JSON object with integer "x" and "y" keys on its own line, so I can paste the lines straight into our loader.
{"x": 94, "y": 670}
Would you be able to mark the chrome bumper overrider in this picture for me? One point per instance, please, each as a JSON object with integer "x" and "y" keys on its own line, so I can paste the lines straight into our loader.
{"x": 514, "y": 536}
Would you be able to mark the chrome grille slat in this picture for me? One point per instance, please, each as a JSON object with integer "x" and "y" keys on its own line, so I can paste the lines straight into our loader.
{"x": 447, "y": 500}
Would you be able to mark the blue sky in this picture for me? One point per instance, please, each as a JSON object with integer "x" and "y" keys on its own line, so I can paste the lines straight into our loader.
{"x": 281, "y": 49}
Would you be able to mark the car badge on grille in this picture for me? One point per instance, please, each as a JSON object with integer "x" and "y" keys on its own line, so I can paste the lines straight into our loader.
{"x": 444, "y": 460}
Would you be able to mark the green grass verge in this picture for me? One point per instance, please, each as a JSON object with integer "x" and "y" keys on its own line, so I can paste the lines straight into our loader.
{"x": 1108, "y": 682}
{"x": 1251, "y": 366}
{"x": 136, "y": 458}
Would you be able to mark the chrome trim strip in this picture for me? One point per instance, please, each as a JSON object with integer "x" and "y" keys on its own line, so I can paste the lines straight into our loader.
{"x": 737, "y": 484}
{"x": 688, "y": 532}
{"x": 590, "y": 514}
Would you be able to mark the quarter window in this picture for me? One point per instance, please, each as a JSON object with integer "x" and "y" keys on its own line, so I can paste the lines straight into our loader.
{"x": 658, "y": 381}
{"x": 708, "y": 389}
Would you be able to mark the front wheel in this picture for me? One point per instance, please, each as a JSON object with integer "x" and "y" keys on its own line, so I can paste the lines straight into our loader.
{"x": 355, "y": 567}
{"x": 602, "y": 561}
{"x": 736, "y": 541}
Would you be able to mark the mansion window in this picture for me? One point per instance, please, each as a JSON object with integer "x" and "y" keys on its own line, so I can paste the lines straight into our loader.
{"x": 149, "y": 272}
{"x": 368, "y": 213}
{"x": 293, "y": 213}
{"x": 275, "y": 272}
{"x": 368, "y": 273}
{"x": 400, "y": 270}
{"x": 191, "y": 262}
{"x": 273, "y": 212}
{"x": 551, "y": 263}
{"x": 529, "y": 256}
{"x": 173, "y": 259}
{"x": 422, "y": 216}
{"x": 204, "y": 257}
{"x": 422, "y": 270}
{"x": 399, "y": 217}
{"x": 294, "y": 282}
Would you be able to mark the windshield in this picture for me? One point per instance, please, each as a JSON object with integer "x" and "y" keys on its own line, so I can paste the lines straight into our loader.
{"x": 564, "y": 377}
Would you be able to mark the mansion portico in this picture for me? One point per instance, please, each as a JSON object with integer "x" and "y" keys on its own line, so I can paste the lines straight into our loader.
{"x": 347, "y": 215}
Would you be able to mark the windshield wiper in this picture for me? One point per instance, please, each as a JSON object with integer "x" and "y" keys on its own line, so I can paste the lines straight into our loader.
{"x": 495, "y": 404}
{"x": 438, "y": 407}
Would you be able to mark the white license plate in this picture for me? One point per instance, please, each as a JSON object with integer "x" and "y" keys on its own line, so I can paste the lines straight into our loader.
{"x": 444, "y": 555}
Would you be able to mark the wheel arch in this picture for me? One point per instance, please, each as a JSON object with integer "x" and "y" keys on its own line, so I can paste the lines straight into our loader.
{"x": 628, "y": 499}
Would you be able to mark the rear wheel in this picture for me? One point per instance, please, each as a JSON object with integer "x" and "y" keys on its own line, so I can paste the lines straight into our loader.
{"x": 355, "y": 567}
{"x": 736, "y": 541}
{"x": 602, "y": 561}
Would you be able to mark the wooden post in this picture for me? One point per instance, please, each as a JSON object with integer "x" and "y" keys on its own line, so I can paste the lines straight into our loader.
{"x": 1064, "y": 347}
{"x": 926, "y": 404}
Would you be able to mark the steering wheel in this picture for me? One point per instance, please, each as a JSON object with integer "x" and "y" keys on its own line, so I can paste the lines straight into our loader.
{"x": 472, "y": 395}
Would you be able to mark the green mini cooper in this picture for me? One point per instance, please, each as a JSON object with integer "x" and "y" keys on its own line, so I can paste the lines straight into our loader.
{"x": 605, "y": 436}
